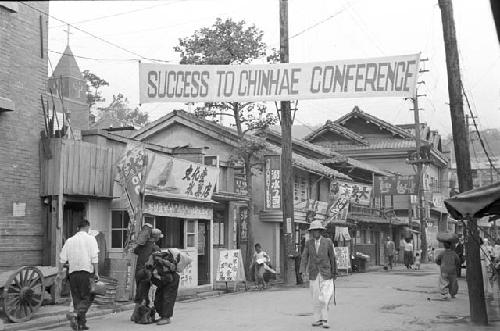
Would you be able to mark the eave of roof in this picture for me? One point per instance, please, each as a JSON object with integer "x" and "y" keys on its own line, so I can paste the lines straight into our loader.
{"x": 338, "y": 129}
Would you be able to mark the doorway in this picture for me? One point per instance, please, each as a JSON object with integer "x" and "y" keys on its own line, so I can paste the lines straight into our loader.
{"x": 73, "y": 213}
{"x": 203, "y": 252}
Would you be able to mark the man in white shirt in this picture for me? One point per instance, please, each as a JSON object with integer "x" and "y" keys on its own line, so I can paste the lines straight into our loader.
{"x": 81, "y": 252}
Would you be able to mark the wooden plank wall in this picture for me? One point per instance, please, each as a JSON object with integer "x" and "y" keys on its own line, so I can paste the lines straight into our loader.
{"x": 87, "y": 169}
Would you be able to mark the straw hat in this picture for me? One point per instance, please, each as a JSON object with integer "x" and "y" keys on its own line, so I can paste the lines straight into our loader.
{"x": 156, "y": 233}
{"x": 316, "y": 225}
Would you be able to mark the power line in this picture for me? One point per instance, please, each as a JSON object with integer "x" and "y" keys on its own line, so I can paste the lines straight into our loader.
{"x": 95, "y": 59}
{"x": 118, "y": 14}
{"x": 477, "y": 131}
{"x": 93, "y": 35}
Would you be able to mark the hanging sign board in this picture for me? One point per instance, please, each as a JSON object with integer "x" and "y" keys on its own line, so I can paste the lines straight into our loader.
{"x": 393, "y": 76}
{"x": 272, "y": 184}
{"x": 395, "y": 185}
{"x": 230, "y": 267}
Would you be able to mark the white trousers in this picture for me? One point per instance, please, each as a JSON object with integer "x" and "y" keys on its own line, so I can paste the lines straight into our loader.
{"x": 321, "y": 292}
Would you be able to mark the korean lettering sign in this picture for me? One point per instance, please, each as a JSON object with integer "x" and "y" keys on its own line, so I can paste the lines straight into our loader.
{"x": 272, "y": 184}
{"x": 395, "y": 185}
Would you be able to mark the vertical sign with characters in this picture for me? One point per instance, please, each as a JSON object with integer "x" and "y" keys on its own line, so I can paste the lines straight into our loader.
{"x": 272, "y": 177}
{"x": 230, "y": 267}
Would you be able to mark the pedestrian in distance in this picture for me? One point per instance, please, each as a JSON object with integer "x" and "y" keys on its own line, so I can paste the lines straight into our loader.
{"x": 459, "y": 249}
{"x": 81, "y": 253}
{"x": 408, "y": 253}
{"x": 260, "y": 264}
{"x": 417, "y": 260}
{"x": 319, "y": 258}
{"x": 142, "y": 274}
{"x": 448, "y": 261}
{"x": 389, "y": 251}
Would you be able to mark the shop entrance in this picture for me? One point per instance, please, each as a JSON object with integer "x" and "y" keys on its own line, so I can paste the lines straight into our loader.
{"x": 73, "y": 213}
{"x": 203, "y": 252}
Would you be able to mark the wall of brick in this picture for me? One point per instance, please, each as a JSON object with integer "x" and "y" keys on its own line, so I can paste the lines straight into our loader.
{"x": 23, "y": 77}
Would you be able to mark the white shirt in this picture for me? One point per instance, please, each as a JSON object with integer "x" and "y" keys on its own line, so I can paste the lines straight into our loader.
{"x": 80, "y": 251}
{"x": 408, "y": 247}
{"x": 316, "y": 243}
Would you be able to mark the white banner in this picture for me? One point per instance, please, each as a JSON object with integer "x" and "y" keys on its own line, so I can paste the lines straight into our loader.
{"x": 394, "y": 76}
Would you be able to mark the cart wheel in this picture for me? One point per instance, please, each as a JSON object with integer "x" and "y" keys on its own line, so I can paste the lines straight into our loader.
{"x": 23, "y": 294}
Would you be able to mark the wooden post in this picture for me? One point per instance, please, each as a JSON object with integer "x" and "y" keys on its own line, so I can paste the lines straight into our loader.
{"x": 462, "y": 156}
{"x": 287, "y": 179}
{"x": 423, "y": 222}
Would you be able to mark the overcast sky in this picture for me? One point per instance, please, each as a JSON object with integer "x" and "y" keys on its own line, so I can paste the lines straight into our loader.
{"x": 347, "y": 29}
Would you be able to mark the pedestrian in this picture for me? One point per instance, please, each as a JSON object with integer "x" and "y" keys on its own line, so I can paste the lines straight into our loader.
{"x": 143, "y": 274}
{"x": 260, "y": 263}
{"x": 448, "y": 261}
{"x": 81, "y": 253}
{"x": 389, "y": 250}
{"x": 319, "y": 257}
{"x": 485, "y": 256}
{"x": 417, "y": 260}
{"x": 408, "y": 253}
{"x": 298, "y": 258}
{"x": 166, "y": 279}
{"x": 459, "y": 249}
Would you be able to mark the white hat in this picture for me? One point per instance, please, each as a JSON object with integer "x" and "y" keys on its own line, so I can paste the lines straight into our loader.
{"x": 148, "y": 225}
{"x": 316, "y": 225}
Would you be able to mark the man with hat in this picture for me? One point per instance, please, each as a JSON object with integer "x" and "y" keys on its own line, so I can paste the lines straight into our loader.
{"x": 81, "y": 253}
{"x": 319, "y": 257}
{"x": 142, "y": 274}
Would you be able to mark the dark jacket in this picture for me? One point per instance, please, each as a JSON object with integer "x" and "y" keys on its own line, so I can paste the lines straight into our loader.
{"x": 449, "y": 261}
{"x": 323, "y": 262}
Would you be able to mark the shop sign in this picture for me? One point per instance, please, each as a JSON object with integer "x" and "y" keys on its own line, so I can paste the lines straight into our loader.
{"x": 243, "y": 223}
{"x": 230, "y": 267}
{"x": 178, "y": 209}
{"x": 240, "y": 185}
{"x": 338, "y": 201}
{"x": 272, "y": 184}
{"x": 181, "y": 178}
{"x": 342, "y": 256}
{"x": 395, "y": 185}
{"x": 437, "y": 200}
{"x": 392, "y": 76}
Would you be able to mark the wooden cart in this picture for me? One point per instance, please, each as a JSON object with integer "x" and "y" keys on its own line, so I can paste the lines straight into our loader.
{"x": 22, "y": 291}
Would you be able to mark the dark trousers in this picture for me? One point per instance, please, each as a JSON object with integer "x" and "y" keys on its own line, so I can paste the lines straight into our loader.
{"x": 79, "y": 283}
{"x": 298, "y": 276}
{"x": 143, "y": 283}
{"x": 165, "y": 295}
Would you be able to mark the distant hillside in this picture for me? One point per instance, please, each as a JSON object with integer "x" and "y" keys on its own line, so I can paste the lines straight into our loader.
{"x": 299, "y": 131}
{"x": 491, "y": 137}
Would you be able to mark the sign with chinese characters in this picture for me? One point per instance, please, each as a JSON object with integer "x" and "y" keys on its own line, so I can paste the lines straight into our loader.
{"x": 18, "y": 209}
{"x": 272, "y": 184}
{"x": 339, "y": 197}
{"x": 189, "y": 276}
{"x": 395, "y": 185}
{"x": 437, "y": 200}
{"x": 240, "y": 185}
{"x": 243, "y": 223}
{"x": 342, "y": 256}
{"x": 230, "y": 267}
{"x": 173, "y": 177}
{"x": 178, "y": 209}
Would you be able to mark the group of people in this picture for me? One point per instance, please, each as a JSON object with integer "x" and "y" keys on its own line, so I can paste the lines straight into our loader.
{"x": 154, "y": 267}
{"x": 411, "y": 260}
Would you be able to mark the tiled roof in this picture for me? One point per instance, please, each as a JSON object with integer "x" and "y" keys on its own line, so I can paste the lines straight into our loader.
{"x": 338, "y": 129}
{"x": 67, "y": 66}
{"x": 356, "y": 112}
{"x": 377, "y": 143}
{"x": 297, "y": 160}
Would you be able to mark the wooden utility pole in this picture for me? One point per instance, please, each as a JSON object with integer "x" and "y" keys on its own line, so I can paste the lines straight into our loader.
{"x": 287, "y": 180}
{"x": 462, "y": 157}
{"x": 420, "y": 175}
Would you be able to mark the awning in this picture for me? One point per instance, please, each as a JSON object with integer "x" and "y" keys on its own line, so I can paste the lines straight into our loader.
{"x": 483, "y": 201}
{"x": 440, "y": 210}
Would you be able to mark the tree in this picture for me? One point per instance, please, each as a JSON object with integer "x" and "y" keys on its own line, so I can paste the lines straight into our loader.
{"x": 224, "y": 43}
{"x": 119, "y": 113}
{"x": 94, "y": 82}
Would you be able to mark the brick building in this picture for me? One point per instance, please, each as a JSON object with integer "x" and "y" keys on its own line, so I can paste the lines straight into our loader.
{"x": 23, "y": 78}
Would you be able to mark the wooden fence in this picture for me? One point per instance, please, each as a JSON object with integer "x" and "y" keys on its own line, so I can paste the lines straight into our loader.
{"x": 76, "y": 168}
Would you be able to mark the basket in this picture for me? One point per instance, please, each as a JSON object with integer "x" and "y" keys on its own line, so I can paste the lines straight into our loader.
{"x": 106, "y": 291}
{"x": 447, "y": 236}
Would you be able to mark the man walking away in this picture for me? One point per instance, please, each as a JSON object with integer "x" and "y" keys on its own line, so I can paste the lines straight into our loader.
{"x": 81, "y": 253}
{"x": 390, "y": 248}
{"x": 448, "y": 260}
{"x": 319, "y": 256}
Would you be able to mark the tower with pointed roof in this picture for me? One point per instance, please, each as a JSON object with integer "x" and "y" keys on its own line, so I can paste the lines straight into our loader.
{"x": 67, "y": 82}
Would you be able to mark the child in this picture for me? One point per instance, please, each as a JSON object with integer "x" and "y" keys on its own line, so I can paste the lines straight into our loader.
{"x": 260, "y": 263}
{"x": 417, "y": 261}
{"x": 449, "y": 262}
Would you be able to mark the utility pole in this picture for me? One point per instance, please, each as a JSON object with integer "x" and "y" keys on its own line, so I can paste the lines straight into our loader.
{"x": 420, "y": 175}
{"x": 287, "y": 180}
{"x": 475, "y": 284}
